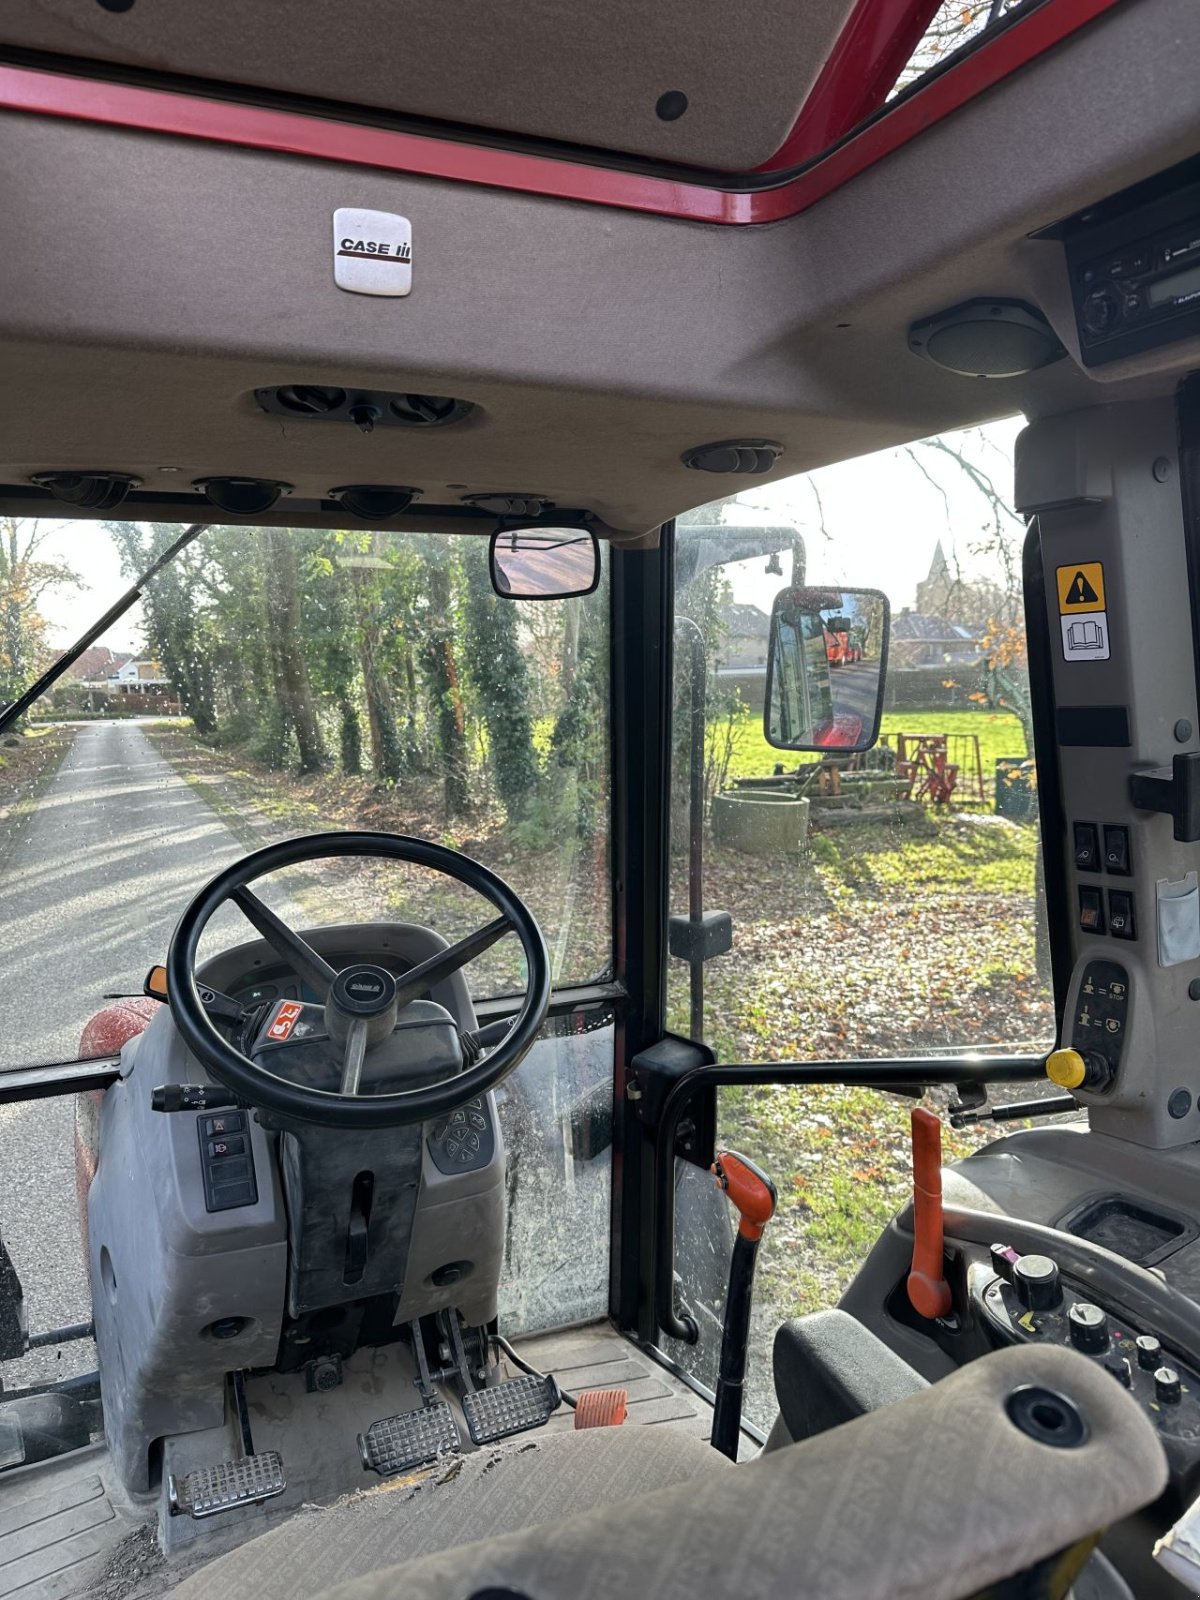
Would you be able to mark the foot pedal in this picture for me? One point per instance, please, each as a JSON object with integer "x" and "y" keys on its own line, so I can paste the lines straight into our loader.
{"x": 208, "y": 1490}
{"x": 511, "y": 1407}
{"x": 411, "y": 1439}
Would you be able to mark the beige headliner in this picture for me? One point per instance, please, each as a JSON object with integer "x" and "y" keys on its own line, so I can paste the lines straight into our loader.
{"x": 587, "y": 74}
{"x": 148, "y": 285}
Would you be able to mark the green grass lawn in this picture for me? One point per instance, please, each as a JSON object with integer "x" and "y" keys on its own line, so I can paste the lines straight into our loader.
{"x": 1000, "y": 734}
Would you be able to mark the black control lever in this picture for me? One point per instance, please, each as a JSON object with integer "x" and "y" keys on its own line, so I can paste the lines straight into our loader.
{"x": 1052, "y": 1106}
{"x": 192, "y": 1097}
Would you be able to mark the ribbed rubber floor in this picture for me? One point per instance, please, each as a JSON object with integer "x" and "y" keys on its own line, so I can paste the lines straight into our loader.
{"x": 47, "y": 1540}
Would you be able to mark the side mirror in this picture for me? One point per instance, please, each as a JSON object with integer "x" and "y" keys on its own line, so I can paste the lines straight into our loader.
{"x": 544, "y": 563}
{"x": 825, "y": 669}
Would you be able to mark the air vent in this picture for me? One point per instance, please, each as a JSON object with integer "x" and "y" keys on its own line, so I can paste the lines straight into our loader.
{"x": 374, "y": 502}
{"x": 242, "y": 497}
{"x": 310, "y": 399}
{"x": 362, "y": 408}
{"x": 746, "y": 457}
{"x": 510, "y": 505}
{"x": 94, "y": 491}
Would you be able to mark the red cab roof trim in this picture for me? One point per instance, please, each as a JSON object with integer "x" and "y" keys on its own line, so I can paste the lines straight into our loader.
{"x": 93, "y": 100}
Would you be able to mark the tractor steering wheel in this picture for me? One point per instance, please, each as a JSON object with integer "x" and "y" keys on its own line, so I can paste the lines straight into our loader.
{"x": 355, "y": 1023}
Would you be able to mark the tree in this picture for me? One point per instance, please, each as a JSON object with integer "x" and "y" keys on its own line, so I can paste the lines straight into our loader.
{"x": 991, "y": 606}
{"x": 501, "y": 681}
{"x": 440, "y": 666}
{"x": 284, "y": 624}
{"x": 26, "y": 573}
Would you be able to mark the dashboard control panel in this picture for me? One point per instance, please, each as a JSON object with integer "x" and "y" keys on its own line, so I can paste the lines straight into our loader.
{"x": 1025, "y": 1300}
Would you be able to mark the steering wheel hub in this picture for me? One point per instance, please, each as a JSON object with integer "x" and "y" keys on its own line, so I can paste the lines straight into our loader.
{"x": 363, "y": 991}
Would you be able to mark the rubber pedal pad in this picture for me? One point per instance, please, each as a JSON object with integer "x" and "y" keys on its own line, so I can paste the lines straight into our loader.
{"x": 409, "y": 1439}
{"x": 511, "y": 1407}
{"x": 601, "y": 1408}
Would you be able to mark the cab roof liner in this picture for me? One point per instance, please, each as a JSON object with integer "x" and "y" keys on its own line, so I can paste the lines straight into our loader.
{"x": 153, "y": 285}
{"x": 677, "y": 81}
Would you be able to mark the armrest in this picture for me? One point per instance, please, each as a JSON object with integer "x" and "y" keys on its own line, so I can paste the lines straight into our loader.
{"x": 830, "y": 1369}
{"x": 934, "y": 1498}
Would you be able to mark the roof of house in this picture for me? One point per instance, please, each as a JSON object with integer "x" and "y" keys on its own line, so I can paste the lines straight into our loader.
{"x": 97, "y": 661}
{"x": 746, "y": 621}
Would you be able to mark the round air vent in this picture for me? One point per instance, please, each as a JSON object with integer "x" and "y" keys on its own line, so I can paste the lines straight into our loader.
{"x": 428, "y": 410}
{"x": 310, "y": 399}
{"x": 374, "y": 502}
{"x": 743, "y": 456}
{"x": 242, "y": 497}
{"x": 94, "y": 491}
{"x": 986, "y": 339}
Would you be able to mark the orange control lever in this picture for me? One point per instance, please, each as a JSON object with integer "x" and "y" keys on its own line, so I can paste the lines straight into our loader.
{"x": 928, "y": 1291}
{"x": 749, "y": 1189}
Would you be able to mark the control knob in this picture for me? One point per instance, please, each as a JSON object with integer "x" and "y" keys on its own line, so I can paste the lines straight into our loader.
{"x": 1168, "y": 1390}
{"x": 1035, "y": 1279}
{"x": 1149, "y": 1352}
{"x": 1089, "y": 1328}
{"x": 1100, "y": 310}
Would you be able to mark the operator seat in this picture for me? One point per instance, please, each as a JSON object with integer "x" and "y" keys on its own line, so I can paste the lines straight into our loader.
{"x": 1011, "y": 1464}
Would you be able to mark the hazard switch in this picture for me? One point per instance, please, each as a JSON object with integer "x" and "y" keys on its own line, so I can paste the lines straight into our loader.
{"x": 1091, "y": 911}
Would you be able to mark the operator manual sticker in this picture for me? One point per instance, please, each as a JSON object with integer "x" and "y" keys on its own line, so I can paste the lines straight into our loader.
{"x": 1082, "y": 613}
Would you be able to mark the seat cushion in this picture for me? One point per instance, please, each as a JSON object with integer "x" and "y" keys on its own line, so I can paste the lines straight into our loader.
{"x": 522, "y": 1483}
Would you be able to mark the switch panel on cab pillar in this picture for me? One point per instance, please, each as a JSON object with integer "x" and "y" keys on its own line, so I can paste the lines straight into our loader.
{"x": 1116, "y": 573}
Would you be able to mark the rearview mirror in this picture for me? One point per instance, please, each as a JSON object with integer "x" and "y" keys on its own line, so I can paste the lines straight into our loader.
{"x": 544, "y": 563}
{"x": 825, "y": 669}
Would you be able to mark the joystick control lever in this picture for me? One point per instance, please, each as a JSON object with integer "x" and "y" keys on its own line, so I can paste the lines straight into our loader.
{"x": 753, "y": 1197}
{"x": 928, "y": 1291}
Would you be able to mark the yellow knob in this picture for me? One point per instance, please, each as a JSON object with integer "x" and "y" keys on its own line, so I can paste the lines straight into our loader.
{"x": 1066, "y": 1068}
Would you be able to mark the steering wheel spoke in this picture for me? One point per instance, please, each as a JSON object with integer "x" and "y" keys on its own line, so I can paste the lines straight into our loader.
{"x": 354, "y": 1056}
{"x": 447, "y": 962}
{"x": 284, "y": 942}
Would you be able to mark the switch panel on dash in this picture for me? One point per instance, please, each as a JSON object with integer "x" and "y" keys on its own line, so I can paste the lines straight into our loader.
{"x": 227, "y": 1161}
{"x": 1101, "y": 1012}
{"x": 464, "y": 1141}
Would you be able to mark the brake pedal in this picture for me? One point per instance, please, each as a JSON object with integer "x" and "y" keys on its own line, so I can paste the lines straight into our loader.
{"x": 207, "y": 1490}
{"x": 411, "y": 1439}
{"x": 511, "y": 1407}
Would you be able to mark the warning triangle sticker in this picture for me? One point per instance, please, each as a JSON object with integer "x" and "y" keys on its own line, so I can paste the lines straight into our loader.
{"x": 1080, "y": 587}
{"x": 1080, "y": 592}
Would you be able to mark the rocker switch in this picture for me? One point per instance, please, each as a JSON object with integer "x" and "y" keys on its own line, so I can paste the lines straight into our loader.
{"x": 1087, "y": 847}
{"x": 1116, "y": 850}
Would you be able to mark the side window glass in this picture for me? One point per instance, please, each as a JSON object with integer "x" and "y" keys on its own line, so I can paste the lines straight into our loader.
{"x": 886, "y": 903}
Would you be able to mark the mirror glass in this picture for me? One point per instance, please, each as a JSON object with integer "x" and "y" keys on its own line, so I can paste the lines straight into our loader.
{"x": 825, "y": 669}
{"x": 544, "y": 563}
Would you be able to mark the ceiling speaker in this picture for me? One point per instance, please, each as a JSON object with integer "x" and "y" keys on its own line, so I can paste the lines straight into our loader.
{"x": 986, "y": 339}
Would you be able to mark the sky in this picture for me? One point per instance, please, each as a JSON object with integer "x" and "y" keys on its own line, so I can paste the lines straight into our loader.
{"x": 883, "y": 518}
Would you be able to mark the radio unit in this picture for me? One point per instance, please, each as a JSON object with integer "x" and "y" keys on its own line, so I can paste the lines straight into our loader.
{"x": 1135, "y": 268}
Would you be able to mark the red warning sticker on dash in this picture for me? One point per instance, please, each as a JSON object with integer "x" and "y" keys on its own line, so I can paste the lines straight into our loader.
{"x": 286, "y": 1017}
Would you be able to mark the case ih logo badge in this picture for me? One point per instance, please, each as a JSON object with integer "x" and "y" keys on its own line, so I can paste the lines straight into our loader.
{"x": 372, "y": 252}
{"x": 286, "y": 1017}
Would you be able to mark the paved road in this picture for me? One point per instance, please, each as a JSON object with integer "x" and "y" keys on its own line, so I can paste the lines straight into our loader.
{"x": 88, "y": 900}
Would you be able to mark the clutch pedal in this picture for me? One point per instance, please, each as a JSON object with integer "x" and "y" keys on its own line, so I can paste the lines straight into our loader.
{"x": 207, "y": 1490}
{"x": 246, "y": 1480}
{"x": 510, "y": 1407}
{"x": 411, "y": 1439}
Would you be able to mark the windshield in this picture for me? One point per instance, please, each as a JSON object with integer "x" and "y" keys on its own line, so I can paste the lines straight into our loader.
{"x": 275, "y": 682}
